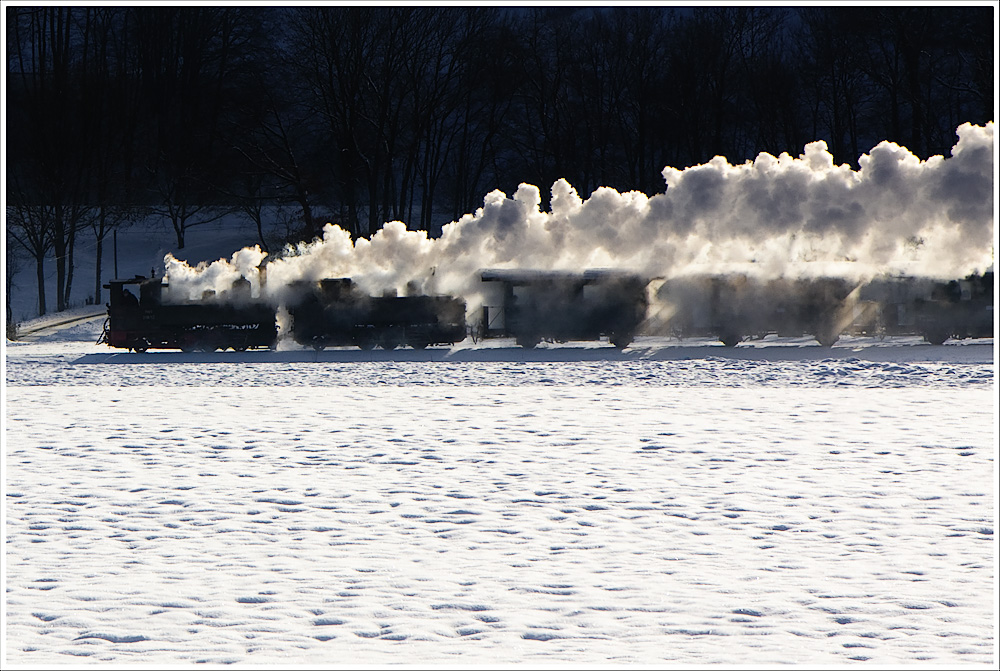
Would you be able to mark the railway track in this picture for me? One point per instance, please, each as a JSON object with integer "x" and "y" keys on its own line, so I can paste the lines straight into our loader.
{"x": 35, "y": 332}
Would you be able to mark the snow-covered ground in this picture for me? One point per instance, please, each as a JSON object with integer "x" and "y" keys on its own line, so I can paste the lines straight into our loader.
{"x": 675, "y": 503}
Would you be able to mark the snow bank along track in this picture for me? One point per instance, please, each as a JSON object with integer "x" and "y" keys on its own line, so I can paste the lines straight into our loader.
{"x": 33, "y": 332}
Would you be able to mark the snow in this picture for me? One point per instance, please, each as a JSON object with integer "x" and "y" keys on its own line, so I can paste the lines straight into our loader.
{"x": 677, "y": 503}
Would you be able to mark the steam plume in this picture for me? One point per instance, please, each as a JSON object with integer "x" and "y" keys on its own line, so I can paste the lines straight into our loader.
{"x": 773, "y": 217}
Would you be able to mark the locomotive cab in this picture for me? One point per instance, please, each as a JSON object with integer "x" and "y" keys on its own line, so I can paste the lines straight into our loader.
{"x": 130, "y": 316}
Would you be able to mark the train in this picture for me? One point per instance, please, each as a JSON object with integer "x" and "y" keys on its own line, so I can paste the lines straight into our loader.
{"x": 534, "y": 306}
{"x": 531, "y": 306}
{"x": 936, "y": 310}
{"x": 738, "y": 307}
{"x": 334, "y": 312}
{"x": 331, "y": 312}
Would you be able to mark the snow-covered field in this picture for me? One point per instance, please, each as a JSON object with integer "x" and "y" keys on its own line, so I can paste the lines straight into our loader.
{"x": 675, "y": 503}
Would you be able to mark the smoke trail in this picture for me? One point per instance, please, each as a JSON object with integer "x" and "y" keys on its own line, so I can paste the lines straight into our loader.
{"x": 192, "y": 283}
{"x": 778, "y": 216}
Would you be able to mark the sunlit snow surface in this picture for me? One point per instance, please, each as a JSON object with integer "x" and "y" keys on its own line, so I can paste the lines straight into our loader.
{"x": 674, "y": 503}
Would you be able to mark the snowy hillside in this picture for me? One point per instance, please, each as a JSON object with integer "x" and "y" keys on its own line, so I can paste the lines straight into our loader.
{"x": 675, "y": 503}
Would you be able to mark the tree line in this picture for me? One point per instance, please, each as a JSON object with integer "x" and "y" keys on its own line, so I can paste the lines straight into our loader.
{"x": 361, "y": 115}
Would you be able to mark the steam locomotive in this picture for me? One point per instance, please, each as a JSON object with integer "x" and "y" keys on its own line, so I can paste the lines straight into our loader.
{"x": 536, "y": 306}
{"x": 331, "y": 312}
{"x": 147, "y": 321}
{"x": 526, "y": 305}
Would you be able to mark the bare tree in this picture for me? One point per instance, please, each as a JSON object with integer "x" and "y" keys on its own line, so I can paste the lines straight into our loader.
{"x": 274, "y": 142}
{"x": 185, "y": 57}
{"x": 836, "y": 87}
{"x": 30, "y": 226}
{"x": 13, "y": 252}
{"x": 925, "y": 63}
{"x": 46, "y": 54}
{"x": 380, "y": 79}
{"x": 113, "y": 121}
{"x": 485, "y": 117}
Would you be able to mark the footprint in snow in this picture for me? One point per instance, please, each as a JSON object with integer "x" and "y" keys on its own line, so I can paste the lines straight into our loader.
{"x": 115, "y": 638}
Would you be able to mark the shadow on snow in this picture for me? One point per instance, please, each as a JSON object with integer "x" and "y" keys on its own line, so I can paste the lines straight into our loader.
{"x": 981, "y": 351}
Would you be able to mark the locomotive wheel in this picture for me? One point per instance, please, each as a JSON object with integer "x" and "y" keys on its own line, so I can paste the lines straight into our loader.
{"x": 418, "y": 345}
{"x": 621, "y": 340}
{"x": 318, "y": 346}
{"x": 365, "y": 344}
{"x": 936, "y": 336}
{"x": 388, "y": 345}
{"x": 827, "y": 339}
{"x": 730, "y": 339}
{"x": 528, "y": 341}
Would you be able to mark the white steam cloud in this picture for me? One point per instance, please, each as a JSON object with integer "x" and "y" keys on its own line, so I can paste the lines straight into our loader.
{"x": 772, "y": 217}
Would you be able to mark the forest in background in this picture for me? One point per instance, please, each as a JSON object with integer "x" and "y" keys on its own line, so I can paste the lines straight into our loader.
{"x": 362, "y": 115}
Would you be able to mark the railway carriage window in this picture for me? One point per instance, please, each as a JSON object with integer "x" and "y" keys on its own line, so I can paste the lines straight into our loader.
{"x": 494, "y": 317}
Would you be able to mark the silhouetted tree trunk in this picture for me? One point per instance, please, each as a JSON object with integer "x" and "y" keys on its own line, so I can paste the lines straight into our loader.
{"x": 188, "y": 58}
{"x": 46, "y": 57}
{"x": 838, "y": 84}
{"x": 271, "y": 140}
{"x": 30, "y": 226}
{"x": 13, "y": 253}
